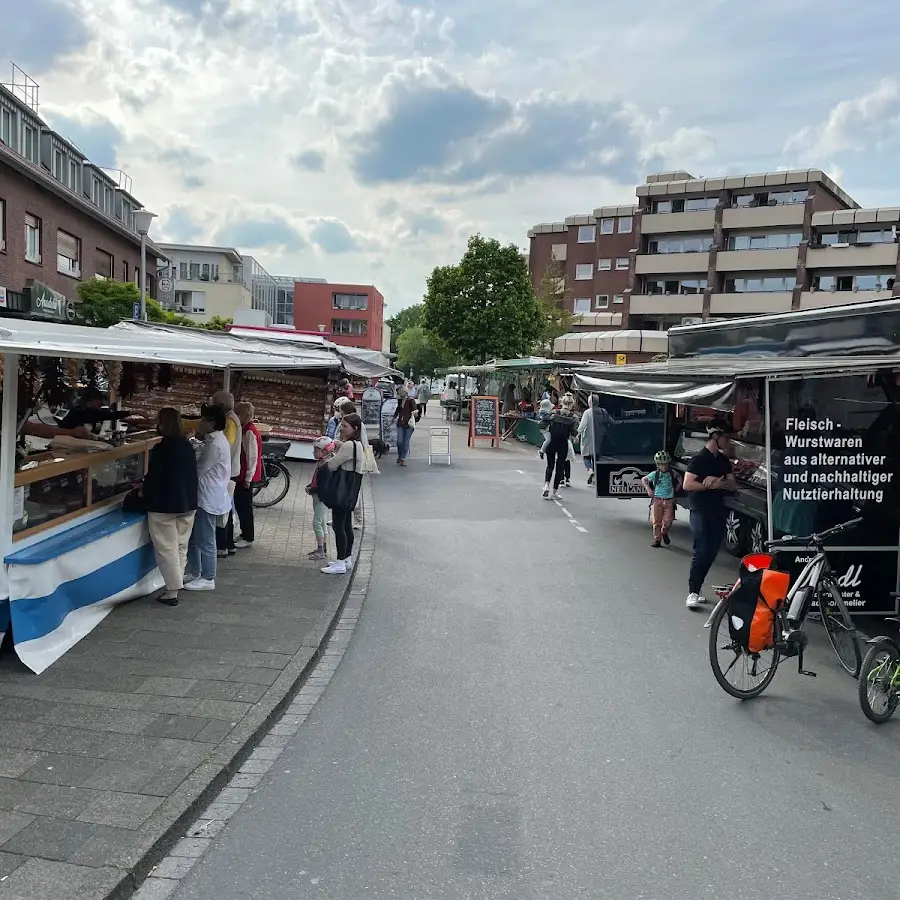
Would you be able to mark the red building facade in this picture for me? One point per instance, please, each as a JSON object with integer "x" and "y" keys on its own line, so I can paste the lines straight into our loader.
{"x": 352, "y": 314}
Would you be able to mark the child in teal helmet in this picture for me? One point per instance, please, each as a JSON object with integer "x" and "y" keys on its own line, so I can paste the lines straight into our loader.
{"x": 661, "y": 486}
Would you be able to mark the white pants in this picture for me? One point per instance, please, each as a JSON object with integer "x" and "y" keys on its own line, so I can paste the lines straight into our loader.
{"x": 170, "y": 533}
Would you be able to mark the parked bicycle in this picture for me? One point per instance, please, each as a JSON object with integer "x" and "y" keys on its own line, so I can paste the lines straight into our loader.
{"x": 816, "y": 582}
{"x": 879, "y": 678}
{"x": 276, "y": 478}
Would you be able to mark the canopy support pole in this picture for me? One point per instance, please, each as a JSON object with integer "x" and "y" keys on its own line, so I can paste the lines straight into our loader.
{"x": 8, "y": 450}
{"x": 768, "y": 421}
{"x": 226, "y": 379}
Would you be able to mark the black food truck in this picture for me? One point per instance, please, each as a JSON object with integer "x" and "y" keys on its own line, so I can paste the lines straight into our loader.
{"x": 814, "y": 399}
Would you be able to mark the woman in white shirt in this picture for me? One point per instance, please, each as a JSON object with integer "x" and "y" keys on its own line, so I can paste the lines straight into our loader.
{"x": 213, "y": 499}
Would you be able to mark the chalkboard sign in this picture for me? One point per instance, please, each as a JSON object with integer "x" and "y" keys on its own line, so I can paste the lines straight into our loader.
{"x": 484, "y": 420}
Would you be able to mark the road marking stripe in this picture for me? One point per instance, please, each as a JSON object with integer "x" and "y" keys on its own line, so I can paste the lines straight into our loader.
{"x": 582, "y": 530}
{"x": 520, "y": 471}
{"x": 566, "y": 511}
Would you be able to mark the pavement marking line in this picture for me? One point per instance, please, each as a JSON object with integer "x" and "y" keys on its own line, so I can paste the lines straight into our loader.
{"x": 520, "y": 471}
{"x": 582, "y": 530}
{"x": 566, "y": 511}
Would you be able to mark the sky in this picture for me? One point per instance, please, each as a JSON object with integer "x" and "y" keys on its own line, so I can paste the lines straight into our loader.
{"x": 363, "y": 141}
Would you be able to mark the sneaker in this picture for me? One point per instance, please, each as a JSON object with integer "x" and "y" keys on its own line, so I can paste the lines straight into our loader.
{"x": 201, "y": 584}
{"x": 189, "y": 577}
{"x": 339, "y": 567}
{"x": 656, "y": 544}
{"x": 222, "y": 554}
{"x": 241, "y": 544}
{"x": 591, "y": 478}
{"x": 546, "y": 492}
{"x": 695, "y": 601}
{"x": 357, "y": 526}
{"x": 667, "y": 540}
{"x": 567, "y": 483}
{"x": 556, "y": 496}
{"x": 316, "y": 555}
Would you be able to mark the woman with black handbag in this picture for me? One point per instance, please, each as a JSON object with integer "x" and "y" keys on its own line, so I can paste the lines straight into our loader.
{"x": 342, "y": 490}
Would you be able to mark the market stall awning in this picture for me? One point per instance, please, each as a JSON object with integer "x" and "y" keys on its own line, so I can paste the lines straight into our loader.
{"x": 626, "y": 341}
{"x": 710, "y": 381}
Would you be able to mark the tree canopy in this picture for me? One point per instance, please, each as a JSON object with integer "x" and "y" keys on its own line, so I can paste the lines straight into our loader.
{"x": 553, "y": 296}
{"x": 403, "y": 320}
{"x": 484, "y": 307}
{"x": 422, "y": 351}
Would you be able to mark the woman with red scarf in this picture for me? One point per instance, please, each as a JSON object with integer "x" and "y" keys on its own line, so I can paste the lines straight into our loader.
{"x": 251, "y": 471}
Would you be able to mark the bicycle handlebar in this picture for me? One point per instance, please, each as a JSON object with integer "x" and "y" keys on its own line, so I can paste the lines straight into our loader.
{"x": 788, "y": 540}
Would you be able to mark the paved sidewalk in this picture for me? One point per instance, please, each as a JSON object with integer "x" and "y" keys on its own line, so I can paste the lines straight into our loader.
{"x": 123, "y": 738}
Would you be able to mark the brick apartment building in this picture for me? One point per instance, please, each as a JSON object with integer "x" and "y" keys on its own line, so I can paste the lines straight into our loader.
{"x": 63, "y": 219}
{"x": 701, "y": 249}
{"x": 352, "y": 314}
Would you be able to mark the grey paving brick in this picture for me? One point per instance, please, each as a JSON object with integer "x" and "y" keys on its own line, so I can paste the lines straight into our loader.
{"x": 215, "y": 732}
{"x": 171, "y": 687}
{"x": 156, "y": 889}
{"x": 174, "y": 867}
{"x": 194, "y": 847}
{"x": 119, "y": 847}
{"x": 245, "y": 781}
{"x": 13, "y": 792}
{"x": 267, "y": 753}
{"x": 14, "y": 763}
{"x": 55, "y": 800}
{"x": 206, "y": 828}
{"x": 51, "y": 838}
{"x": 256, "y": 767}
{"x": 166, "y": 781}
{"x": 253, "y": 675}
{"x": 55, "y": 768}
{"x": 9, "y": 862}
{"x": 182, "y": 727}
{"x": 44, "y": 879}
{"x": 214, "y": 690}
{"x": 222, "y": 709}
{"x": 277, "y": 741}
{"x": 119, "y": 809}
{"x": 250, "y": 693}
{"x": 221, "y": 812}
{"x": 233, "y": 795}
{"x": 11, "y": 823}
{"x": 124, "y": 776}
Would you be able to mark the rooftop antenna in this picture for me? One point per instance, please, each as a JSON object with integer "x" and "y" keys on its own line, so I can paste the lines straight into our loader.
{"x": 24, "y": 88}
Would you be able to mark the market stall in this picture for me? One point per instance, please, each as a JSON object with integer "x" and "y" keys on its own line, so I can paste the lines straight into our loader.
{"x": 69, "y": 551}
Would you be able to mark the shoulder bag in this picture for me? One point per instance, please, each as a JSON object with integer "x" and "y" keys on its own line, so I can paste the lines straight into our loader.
{"x": 341, "y": 491}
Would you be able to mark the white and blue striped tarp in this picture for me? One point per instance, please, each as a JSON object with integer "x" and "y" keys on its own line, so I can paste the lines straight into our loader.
{"x": 60, "y": 588}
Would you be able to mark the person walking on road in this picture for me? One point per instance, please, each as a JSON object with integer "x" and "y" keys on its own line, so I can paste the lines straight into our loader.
{"x": 709, "y": 477}
{"x": 349, "y": 447}
{"x": 169, "y": 490}
{"x": 404, "y": 414}
{"x": 595, "y": 422}
{"x": 213, "y": 499}
{"x": 662, "y": 485}
{"x": 561, "y": 428}
{"x": 250, "y": 473}
{"x": 422, "y": 395}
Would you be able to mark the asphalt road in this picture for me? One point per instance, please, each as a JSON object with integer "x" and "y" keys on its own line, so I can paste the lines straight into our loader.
{"x": 527, "y": 711}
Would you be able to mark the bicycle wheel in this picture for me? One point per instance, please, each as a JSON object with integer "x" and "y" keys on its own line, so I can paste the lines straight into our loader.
{"x": 877, "y": 681}
{"x": 275, "y": 485}
{"x": 755, "y": 671}
{"x": 840, "y": 630}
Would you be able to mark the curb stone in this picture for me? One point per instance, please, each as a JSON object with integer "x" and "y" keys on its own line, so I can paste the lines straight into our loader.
{"x": 242, "y": 760}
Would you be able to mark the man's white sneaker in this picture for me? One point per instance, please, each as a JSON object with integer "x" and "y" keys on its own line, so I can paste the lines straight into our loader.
{"x": 242, "y": 544}
{"x": 336, "y": 568}
{"x": 556, "y": 496}
{"x": 695, "y": 601}
{"x": 201, "y": 584}
{"x": 546, "y": 492}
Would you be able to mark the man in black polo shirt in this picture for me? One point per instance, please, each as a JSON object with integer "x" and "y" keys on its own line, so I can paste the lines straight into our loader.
{"x": 91, "y": 413}
{"x": 708, "y": 478}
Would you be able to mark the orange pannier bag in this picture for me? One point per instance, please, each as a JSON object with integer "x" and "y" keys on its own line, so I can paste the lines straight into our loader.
{"x": 752, "y": 605}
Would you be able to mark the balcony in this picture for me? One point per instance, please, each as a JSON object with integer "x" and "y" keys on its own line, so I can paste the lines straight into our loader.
{"x": 672, "y": 263}
{"x": 667, "y": 304}
{"x": 750, "y": 303}
{"x": 757, "y": 260}
{"x": 670, "y": 223}
{"x": 821, "y": 299}
{"x": 763, "y": 216}
{"x": 875, "y": 256}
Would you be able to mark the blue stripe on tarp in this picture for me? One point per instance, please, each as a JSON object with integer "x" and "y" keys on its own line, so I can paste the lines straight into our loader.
{"x": 34, "y": 617}
{"x": 73, "y": 538}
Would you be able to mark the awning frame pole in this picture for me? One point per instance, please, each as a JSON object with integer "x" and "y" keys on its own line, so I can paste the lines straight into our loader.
{"x": 8, "y": 436}
{"x": 769, "y": 500}
{"x": 226, "y": 379}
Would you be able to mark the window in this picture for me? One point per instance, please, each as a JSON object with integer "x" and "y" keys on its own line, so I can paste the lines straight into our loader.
{"x": 194, "y": 272}
{"x": 190, "y": 301}
{"x": 107, "y": 200}
{"x": 674, "y": 286}
{"x": 770, "y": 198}
{"x": 183, "y": 271}
{"x": 204, "y": 272}
{"x": 622, "y": 263}
{"x": 6, "y": 126}
{"x": 582, "y": 305}
{"x": 354, "y": 327}
{"x": 625, "y": 224}
{"x": 693, "y": 204}
{"x": 601, "y": 301}
{"x": 96, "y": 192}
{"x": 607, "y": 226}
{"x": 587, "y": 234}
{"x": 350, "y": 301}
{"x": 584, "y": 272}
{"x": 872, "y": 236}
{"x": 760, "y": 284}
{"x": 680, "y": 244}
{"x": 59, "y": 166}
{"x": 103, "y": 265}
{"x": 619, "y": 298}
{"x": 73, "y": 175}
{"x": 214, "y": 271}
{"x": 68, "y": 254}
{"x": 604, "y": 265}
{"x": 559, "y": 252}
{"x": 2, "y": 225}
{"x": 124, "y": 270}
{"x": 32, "y": 238}
{"x": 29, "y": 143}
{"x": 776, "y": 240}
{"x": 875, "y": 281}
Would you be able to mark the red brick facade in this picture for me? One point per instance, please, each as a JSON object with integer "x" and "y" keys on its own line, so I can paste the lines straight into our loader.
{"x": 21, "y": 195}
{"x": 314, "y": 305}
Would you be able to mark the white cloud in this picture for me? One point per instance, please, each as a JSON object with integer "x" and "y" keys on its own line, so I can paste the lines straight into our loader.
{"x": 388, "y": 130}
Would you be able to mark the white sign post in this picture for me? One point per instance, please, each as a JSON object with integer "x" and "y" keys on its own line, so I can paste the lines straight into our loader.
{"x": 439, "y": 443}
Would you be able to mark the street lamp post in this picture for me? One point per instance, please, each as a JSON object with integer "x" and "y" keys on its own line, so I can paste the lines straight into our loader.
{"x": 142, "y": 221}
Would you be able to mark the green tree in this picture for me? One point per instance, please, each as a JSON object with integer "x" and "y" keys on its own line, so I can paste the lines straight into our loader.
{"x": 422, "y": 351}
{"x": 403, "y": 320}
{"x": 553, "y": 296}
{"x": 106, "y": 302}
{"x": 484, "y": 307}
{"x": 216, "y": 323}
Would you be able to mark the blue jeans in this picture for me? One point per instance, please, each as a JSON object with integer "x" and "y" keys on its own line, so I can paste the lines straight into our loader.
{"x": 404, "y": 436}
{"x": 201, "y": 555}
{"x": 709, "y": 531}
